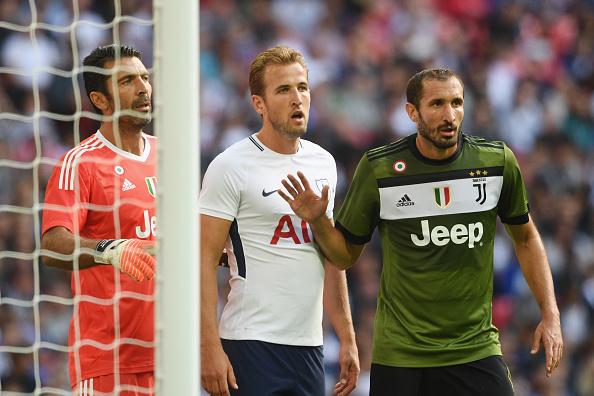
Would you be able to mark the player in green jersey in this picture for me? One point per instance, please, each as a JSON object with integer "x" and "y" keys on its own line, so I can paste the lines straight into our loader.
{"x": 435, "y": 197}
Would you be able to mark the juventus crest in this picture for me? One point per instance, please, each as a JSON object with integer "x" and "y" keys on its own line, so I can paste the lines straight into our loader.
{"x": 482, "y": 192}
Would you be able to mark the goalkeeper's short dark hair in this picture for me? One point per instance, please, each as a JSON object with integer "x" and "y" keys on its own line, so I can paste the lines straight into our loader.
{"x": 96, "y": 81}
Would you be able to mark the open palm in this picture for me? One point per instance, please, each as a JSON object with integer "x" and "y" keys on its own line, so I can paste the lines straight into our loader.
{"x": 305, "y": 203}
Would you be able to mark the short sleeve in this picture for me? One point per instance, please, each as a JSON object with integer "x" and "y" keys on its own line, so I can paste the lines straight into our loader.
{"x": 513, "y": 202}
{"x": 221, "y": 187}
{"x": 359, "y": 213}
{"x": 66, "y": 200}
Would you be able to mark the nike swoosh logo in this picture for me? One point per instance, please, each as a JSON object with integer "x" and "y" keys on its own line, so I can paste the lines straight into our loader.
{"x": 265, "y": 194}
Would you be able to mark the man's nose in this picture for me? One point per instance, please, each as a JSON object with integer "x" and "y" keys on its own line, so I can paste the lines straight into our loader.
{"x": 450, "y": 113}
{"x": 142, "y": 85}
{"x": 295, "y": 97}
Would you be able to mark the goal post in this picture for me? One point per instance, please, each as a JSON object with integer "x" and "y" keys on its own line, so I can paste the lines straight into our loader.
{"x": 176, "y": 124}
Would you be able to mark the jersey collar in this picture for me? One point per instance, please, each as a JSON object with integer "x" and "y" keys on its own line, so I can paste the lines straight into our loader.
{"x": 262, "y": 147}
{"x": 414, "y": 149}
{"x": 126, "y": 154}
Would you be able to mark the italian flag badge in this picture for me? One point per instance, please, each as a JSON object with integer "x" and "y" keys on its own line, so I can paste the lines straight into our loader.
{"x": 442, "y": 196}
{"x": 151, "y": 184}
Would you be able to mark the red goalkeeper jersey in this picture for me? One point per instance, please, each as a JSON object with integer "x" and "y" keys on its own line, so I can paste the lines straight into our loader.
{"x": 99, "y": 191}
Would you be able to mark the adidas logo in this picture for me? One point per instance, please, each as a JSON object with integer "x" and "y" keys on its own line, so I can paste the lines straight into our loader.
{"x": 127, "y": 185}
{"x": 405, "y": 201}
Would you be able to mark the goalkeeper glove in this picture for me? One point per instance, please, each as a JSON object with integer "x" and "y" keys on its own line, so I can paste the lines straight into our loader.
{"x": 134, "y": 257}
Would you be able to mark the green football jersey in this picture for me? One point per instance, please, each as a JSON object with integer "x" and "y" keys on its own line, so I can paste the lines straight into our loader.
{"x": 436, "y": 223}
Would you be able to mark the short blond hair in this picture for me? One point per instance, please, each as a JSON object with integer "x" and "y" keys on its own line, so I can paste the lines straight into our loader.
{"x": 279, "y": 55}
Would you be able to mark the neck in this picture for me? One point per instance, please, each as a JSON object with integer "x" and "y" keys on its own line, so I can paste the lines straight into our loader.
{"x": 277, "y": 142}
{"x": 127, "y": 139}
{"x": 429, "y": 150}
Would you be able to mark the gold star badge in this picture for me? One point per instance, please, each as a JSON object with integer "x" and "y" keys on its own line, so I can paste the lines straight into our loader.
{"x": 485, "y": 173}
{"x": 471, "y": 174}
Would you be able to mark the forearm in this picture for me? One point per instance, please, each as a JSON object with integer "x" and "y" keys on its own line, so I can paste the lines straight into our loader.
{"x": 536, "y": 270}
{"x": 333, "y": 244}
{"x": 214, "y": 233}
{"x": 336, "y": 304}
{"x": 209, "y": 333}
{"x": 63, "y": 244}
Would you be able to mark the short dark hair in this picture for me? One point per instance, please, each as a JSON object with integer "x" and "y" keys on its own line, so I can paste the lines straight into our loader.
{"x": 279, "y": 55}
{"x": 98, "y": 58}
{"x": 414, "y": 88}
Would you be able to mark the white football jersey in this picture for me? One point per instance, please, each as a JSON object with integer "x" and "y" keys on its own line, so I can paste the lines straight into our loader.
{"x": 277, "y": 271}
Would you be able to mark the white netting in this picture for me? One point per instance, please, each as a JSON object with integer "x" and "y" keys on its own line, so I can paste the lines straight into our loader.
{"x": 43, "y": 113}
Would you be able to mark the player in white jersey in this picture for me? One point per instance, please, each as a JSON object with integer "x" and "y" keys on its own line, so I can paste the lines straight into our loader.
{"x": 268, "y": 245}
{"x": 269, "y": 340}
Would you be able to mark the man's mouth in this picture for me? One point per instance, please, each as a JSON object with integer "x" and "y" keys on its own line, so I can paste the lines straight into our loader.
{"x": 142, "y": 106}
{"x": 142, "y": 103}
{"x": 447, "y": 130}
{"x": 298, "y": 115}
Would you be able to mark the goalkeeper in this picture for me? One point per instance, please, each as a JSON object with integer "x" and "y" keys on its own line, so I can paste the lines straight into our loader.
{"x": 101, "y": 199}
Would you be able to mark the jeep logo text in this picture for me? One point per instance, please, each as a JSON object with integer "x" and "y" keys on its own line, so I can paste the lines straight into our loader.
{"x": 441, "y": 236}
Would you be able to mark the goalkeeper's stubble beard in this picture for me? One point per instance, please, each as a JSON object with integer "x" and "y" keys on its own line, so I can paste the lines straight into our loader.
{"x": 132, "y": 122}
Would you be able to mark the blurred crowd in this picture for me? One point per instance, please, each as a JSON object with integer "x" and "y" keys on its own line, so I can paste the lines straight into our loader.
{"x": 528, "y": 69}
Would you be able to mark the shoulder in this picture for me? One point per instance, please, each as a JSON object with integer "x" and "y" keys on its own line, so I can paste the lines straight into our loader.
{"x": 388, "y": 149}
{"x": 248, "y": 147}
{"x": 77, "y": 161}
{"x": 482, "y": 143}
{"x": 238, "y": 156}
{"x": 313, "y": 149}
{"x": 488, "y": 150}
{"x": 88, "y": 148}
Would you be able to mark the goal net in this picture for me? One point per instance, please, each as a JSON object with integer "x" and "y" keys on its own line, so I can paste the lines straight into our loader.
{"x": 44, "y": 112}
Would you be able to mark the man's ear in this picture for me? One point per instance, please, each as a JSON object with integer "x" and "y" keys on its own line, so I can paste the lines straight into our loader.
{"x": 100, "y": 100}
{"x": 258, "y": 104}
{"x": 412, "y": 112}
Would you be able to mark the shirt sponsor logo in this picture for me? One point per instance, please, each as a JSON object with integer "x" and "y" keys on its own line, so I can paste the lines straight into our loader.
{"x": 441, "y": 236}
{"x": 286, "y": 230}
{"x": 148, "y": 228}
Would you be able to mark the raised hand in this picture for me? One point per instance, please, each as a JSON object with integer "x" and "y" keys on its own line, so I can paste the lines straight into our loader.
{"x": 303, "y": 200}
